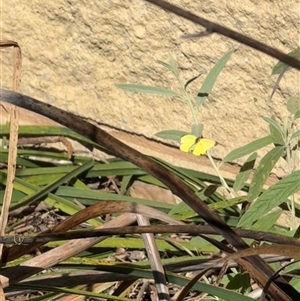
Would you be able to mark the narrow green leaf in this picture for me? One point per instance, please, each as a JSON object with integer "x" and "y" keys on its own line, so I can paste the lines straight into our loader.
{"x": 125, "y": 183}
{"x": 44, "y": 180}
{"x": 16, "y": 196}
{"x": 211, "y": 78}
{"x": 148, "y": 90}
{"x": 292, "y": 267}
{"x": 295, "y": 134}
{"x": 189, "y": 81}
{"x": 248, "y": 148}
{"x": 227, "y": 203}
{"x": 118, "y": 168}
{"x": 71, "y": 291}
{"x": 293, "y": 104}
{"x": 297, "y": 115}
{"x": 35, "y": 131}
{"x": 263, "y": 170}
{"x": 167, "y": 66}
{"x": 244, "y": 172}
{"x": 52, "y": 186}
{"x": 174, "y": 135}
{"x": 182, "y": 211}
{"x": 273, "y": 123}
{"x": 280, "y": 66}
{"x": 178, "y": 280}
{"x": 200, "y": 100}
{"x": 271, "y": 198}
{"x": 174, "y": 67}
{"x": 68, "y": 207}
{"x": 275, "y": 130}
{"x": 89, "y": 197}
{"x": 52, "y": 200}
{"x": 266, "y": 222}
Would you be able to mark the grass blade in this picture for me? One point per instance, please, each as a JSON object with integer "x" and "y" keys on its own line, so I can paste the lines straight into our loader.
{"x": 52, "y": 186}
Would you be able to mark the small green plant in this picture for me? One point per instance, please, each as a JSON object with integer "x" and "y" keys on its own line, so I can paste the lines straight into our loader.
{"x": 283, "y": 137}
{"x": 284, "y": 140}
{"x": 194, "y": 105}
{"x": 189, "y": 142}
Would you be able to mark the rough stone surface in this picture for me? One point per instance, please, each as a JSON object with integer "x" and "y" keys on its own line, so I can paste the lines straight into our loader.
{"x": 74, "y": 52}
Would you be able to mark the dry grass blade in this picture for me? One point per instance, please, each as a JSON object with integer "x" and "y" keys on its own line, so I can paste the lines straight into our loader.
{"x": 155, "y": 261}
{"x": 257, "y": 268}
{"x": 289, "y": 251}
{"x": 11, "y": 169}
{"x": 155, "y": 229}
{"x": 54, "y": 256}
{"x": 104, "y": 207}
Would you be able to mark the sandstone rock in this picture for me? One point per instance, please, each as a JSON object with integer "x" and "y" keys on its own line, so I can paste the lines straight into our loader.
{"x": 74, "y": 52}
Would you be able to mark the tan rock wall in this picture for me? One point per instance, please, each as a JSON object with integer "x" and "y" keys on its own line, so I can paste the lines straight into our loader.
{"x": 75, "y": 51}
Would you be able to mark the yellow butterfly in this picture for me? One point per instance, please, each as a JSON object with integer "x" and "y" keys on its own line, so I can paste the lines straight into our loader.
{"x": 199, "y": 146}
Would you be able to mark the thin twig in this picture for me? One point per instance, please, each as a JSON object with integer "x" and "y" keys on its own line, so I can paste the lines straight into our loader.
{"x": 214, "y": 27}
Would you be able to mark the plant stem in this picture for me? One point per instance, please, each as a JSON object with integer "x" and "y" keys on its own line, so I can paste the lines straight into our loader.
{"x": 225, "y": 185}
{"x": 187, "y": 98}
{"x": 290, "y": 170}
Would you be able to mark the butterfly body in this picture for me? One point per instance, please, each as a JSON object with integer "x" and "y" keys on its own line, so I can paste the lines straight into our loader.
{"x": 198, "y": 146}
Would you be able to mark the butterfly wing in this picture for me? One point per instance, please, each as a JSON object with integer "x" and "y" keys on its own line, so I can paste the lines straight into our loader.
{"x": 202, "y": 146}
{"x": 187, "y": 142}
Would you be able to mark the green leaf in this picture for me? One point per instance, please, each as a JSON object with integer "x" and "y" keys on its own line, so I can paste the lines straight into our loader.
{"x": 248, "y": 148}
{"x": 293, "y": 266}
{"x": 148, "y": 90}
{"x": 89, "y": 197}
{"x": 266, "y": 222}
{"x": 200, "y": 100}
{"x": 263, "y": 170}
{"x": 211, "y": 78}
{"x": 240, "y": 282}
{"x": 293, "y": 104}
{"x": 273, "y": 123}
{"x": 227, "y": 203}
{"x": 125, "y": 183}
{"x": 182, "y": 211}
{"x": 167, "y": 66}
{"x": 69, "y": 207}
{"x": 174, "y": 67}
{"x": 37, "y": 131}
{"x": 189, "y": 81}
{"x": 174, "y": 135}
{"x": 280, "y": 66}
{"x": 244, "y": 172}
{"x": 297, "y": 115}
{"x": 52, "y": 186}
{"x": 272, "y": 198}
{"x": 276, "y": 130}
{"x": 175, "y": 279}
{"x": 295, "y": 134}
